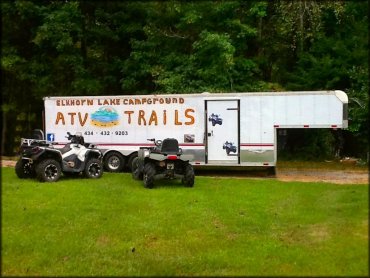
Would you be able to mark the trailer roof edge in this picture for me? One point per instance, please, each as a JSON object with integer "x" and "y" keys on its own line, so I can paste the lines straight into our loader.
{"x": 342, "y": 96}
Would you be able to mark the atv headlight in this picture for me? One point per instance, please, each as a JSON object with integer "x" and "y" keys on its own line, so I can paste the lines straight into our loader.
{"x": 146, "y": 153}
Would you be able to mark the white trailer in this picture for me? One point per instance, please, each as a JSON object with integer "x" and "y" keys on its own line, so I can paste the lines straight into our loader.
{"x": 228, "y": 129}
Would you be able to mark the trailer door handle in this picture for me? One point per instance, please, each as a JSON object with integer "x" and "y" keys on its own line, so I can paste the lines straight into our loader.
{"x": 210, "y": 133}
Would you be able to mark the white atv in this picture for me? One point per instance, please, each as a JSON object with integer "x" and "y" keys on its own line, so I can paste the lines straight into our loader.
{"x": 164, "y": 161}
{"x": 39, "y": 158}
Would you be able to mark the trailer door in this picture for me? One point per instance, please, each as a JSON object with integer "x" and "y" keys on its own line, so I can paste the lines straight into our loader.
{"x": 222, "y": 131}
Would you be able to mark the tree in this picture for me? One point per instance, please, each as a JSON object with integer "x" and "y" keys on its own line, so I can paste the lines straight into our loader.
{"x": 110, "y": 47}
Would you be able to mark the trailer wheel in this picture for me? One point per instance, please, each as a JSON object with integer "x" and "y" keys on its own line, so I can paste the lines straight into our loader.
{"x": 114, "y": 162}
{"x": 24, "y": 169}
{"x": 93, "y": 169}
{"x": 188, "y": 179}
{"x": 137, "y": 168}
{"x": 48, "y": 170}
{"x": 148, "y": 176}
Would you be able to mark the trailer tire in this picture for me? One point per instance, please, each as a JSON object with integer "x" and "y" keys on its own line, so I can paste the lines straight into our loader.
{"x": 93, "y": 169}
{"x": 188, "y": 179}
{"x": 137, "y": 168}
{"x": 148, "y": 175}
{"x": 114, "y": 162}
{"x": 24, "y": 169}
{"x": 48, "y": 170}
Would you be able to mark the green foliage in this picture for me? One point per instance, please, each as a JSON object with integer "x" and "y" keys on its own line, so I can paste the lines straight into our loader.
{"x": 118, "y": 47}
{"x": 338, "y": 59}
{"x": 308, "y": 144}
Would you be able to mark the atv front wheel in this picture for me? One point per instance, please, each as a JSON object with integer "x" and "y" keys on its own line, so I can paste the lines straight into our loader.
{"x": 137, "y": 168}
{"x": 93, "y": 169}
{"x": 188, "y": 179}
{"x": 48, "y": 170}
{"x": 148, "y": 176}
{"x": 24, "y": 169}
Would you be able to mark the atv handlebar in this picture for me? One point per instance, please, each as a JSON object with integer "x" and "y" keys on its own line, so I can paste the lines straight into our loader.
{"x": 77, "y": 139}
{"x": 69, "y": 137}
{"x": 156, "y": 142}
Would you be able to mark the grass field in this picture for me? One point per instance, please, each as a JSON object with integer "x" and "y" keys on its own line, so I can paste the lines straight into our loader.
{"x": 222, "y": 226}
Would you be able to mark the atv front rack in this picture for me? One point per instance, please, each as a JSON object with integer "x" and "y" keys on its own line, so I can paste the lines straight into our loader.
{"x": 33, "y": 142}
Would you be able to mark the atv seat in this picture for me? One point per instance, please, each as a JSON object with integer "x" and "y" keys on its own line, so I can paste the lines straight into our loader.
{"x": 66, "y": 148}
{"x": 37, "y": 134}
{"x": 170, "y": 146}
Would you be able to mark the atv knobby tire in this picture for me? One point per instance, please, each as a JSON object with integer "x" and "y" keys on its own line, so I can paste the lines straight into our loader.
{"x": 137, "y": 168}
{"x": 131, "y": 160}
{"x": 188, "y": 179}
{"x": 24, "y": 169}
{"x": 48, "y": 170}
{"x": 93, "y": 169}
{"x": 148, "y": 175}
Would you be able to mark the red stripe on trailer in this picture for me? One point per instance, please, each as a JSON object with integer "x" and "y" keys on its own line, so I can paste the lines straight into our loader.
{"x": 146, "y": 145}
{"x": 306, "y": 126}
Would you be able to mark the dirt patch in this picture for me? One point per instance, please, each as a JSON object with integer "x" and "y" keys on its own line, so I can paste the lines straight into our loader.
{"x": 8, "y": 163}
{"x": 331, "y": 176}
{"x": 303, "y": 175}
{"x": 340, "y": 176}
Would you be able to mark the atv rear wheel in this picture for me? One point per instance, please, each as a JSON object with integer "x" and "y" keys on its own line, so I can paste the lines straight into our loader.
{"x": 24, "y": 169}
{"x": 48, "y": 170}
{"x": 149, "y": 173}
{"x": 188, "y": 179}
{"x": 137, "y": 168}
{"x": 93, "y": 169}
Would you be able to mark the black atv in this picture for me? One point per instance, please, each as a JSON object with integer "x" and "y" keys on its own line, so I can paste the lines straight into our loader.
{"x": 163, "y": 161}
{"x": 229, "y": 147}
{"x": 215, "y": 119}
{"x": 39, "y": 158}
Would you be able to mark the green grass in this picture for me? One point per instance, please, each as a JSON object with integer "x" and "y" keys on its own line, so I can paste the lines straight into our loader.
{"x": 222, "y": 226}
